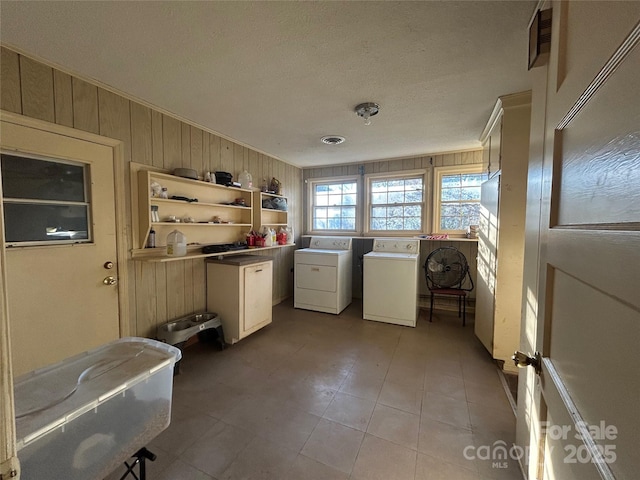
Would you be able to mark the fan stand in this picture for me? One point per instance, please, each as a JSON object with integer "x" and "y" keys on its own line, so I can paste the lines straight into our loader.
{"x": 462, "y": 303}
{"x": 451, "y": 287}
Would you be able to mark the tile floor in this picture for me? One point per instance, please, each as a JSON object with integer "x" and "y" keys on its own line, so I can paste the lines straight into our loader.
{"x": 315, "y": 396}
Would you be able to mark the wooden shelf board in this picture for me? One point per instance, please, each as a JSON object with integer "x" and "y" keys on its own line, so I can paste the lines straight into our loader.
{"x": 201, "y": 204}
{"x": 153, "y": 255}
{"x": 197, "y": 224}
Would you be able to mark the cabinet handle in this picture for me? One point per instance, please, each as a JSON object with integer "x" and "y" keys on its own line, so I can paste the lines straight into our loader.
{"x": 258, "y": 270}
{"x": 315, "y": 269}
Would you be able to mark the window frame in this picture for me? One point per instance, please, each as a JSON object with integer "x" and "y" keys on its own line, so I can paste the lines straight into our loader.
{"x": 86, "y": 203}
{"x": 367, "y": 205}
{"x": 438, "y": 173}
{"x": 312, "y": 183}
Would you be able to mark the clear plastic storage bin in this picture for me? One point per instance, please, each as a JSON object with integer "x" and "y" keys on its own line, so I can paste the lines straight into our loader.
{"x": 81, "y": 418}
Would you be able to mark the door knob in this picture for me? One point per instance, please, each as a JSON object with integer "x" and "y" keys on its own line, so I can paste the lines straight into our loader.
{"x": 523, "y": 360}
{"x": 110, "y": 280}
{"x": 108, "y": 265}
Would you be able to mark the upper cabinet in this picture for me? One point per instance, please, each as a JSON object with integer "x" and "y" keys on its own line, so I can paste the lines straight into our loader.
{"x": 206, "y": 213}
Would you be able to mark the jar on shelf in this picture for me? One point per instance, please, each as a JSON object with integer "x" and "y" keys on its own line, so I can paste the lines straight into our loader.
{"x": 246, "y": 180}
{"x": 176, "y": 244}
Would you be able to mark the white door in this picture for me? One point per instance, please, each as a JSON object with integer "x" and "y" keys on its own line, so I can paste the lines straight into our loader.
{"x": 581, "y": 413}
{"x": 62, "y": 298}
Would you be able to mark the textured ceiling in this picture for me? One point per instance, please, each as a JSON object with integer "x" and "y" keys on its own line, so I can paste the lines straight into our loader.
{"x": 277, "y": 76}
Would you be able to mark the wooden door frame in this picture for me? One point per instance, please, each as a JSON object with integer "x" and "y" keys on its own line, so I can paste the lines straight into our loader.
{"x": 8, "y": 454}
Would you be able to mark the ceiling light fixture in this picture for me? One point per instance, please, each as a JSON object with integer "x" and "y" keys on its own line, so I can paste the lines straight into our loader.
{"x": 332, "y": 139}
{"x": 367, "y": 110}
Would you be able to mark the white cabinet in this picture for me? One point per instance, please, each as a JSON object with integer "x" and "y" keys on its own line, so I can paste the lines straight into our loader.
{"x": 501, "y": 235}
{"x": 239, "y": 290}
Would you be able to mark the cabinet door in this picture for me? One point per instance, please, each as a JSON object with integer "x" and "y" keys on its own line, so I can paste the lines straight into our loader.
{"x": 495, "y": 148}
{"x": 257, "y": 295}
{"x": 487, "y": 262}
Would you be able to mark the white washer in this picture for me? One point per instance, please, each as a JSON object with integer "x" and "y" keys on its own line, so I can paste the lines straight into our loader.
{"x": 390, "y": 289}
{"x": 323, "y": 275}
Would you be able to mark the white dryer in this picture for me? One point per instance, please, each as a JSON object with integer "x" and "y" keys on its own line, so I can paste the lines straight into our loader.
{"x": 323, "y": 275}
{"x": 390, "y": 281}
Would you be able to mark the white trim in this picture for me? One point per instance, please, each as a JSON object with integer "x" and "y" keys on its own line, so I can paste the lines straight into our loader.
{"x": 366, "y": 205}
{"x": 311, "y": 182}
{"x": 438, "y": 173}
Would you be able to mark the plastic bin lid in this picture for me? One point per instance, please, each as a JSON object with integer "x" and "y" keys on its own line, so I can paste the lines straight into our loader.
{"x": 53, "y": 396}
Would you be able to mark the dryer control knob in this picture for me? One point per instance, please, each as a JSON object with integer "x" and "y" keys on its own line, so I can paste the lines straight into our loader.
{"x": 410, "y": 246}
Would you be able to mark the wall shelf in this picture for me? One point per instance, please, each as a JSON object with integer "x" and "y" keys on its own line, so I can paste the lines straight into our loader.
{"x": 158, "y": 255}
{"x": 269, "y": 217}
{"x": 217, "y": 218}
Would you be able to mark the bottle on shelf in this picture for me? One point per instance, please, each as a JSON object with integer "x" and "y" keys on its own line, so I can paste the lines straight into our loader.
{"x": 151, "y": 240}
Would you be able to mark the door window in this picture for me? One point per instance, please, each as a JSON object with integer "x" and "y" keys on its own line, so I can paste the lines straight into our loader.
{"x": 45, "y": 201}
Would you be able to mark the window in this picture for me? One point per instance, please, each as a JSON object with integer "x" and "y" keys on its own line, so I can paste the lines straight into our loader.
{"x": 333, "y": 205}
{"x": 395, "y": 203}
{"x": 457, "y": 197}
{"x": 44, "y": 201}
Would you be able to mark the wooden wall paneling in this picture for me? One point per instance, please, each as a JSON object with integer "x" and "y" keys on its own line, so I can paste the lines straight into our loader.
{"x": 114, "y": 115}
{"x": 369, "y": 168}
{"x": 185, "y": 145}
{"x": 63, "y": 98}
{"x": 280, "y": 174}
{"x": 171, "y": 142}
{"x": 189, "y": 283}
{"x": 226, "y": 156}
{"x": 206, "y": 149}
{"x": 394, "y": 165}
{"x": 238, "y": 161}
{"x": 161, "y": 294}
{"x": 199, "y": 286}
{"x": 215, "y": 153}
{"x": 175, "y": 291}
{"x": 467, "y": 158}
{"x": 157, "y": 150}
{"x": 10, "y": 93}
{"x": 326, "y": 172}
{"x": 254, "y": 166}
{"x": 409, "y": 164}
{"x": 196, "y": 151}
{"x": 145, "y": 299}
{"x": 85, "y": 106}
{"x": 36, "y": 82}
{"x": 141, "y": 134}
{"x": 267, "y": 168}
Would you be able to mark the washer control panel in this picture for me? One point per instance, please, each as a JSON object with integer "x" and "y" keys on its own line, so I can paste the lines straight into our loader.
{"x": 391, "y": 245}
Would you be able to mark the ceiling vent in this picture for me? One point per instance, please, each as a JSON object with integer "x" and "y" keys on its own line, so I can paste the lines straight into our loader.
{"x": 332, "y": 139}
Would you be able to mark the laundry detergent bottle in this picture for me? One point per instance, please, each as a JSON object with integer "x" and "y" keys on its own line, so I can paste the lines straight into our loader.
{"x": 176, "y": 244}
